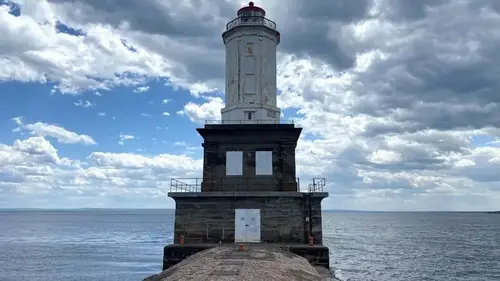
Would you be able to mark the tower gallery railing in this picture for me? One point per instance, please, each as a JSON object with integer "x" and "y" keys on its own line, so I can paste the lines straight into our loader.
{"x": 251, "y": 20}
{"x": 241, "y": 122}
{"x": 318, "y": 185}
{"x": 234, "y": 184}
{"x": 245, "y": 184}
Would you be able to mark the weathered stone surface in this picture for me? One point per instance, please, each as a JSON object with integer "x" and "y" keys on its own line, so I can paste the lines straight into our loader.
{"x": 259, "y": 262}
{"x": 173, "y": 254}
{"x": 203, "y": 220}
{"x": 317, "y": 222}
{"x": 281, "y": 139}
{"x": 317, "y": 255}
{"x": 284, "y": 216}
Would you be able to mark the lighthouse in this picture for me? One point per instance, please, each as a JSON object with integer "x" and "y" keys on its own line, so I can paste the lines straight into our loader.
{"x": 248, "y": 192}
{"x": 250, "y": 93}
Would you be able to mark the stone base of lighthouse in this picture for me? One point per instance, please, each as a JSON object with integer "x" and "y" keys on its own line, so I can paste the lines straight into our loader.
{"x": 317, "y": 255}
{"x": 285, "y": 220}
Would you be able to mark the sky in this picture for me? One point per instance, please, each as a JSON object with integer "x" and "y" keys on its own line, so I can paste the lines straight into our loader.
{"x": 399, "y": 100}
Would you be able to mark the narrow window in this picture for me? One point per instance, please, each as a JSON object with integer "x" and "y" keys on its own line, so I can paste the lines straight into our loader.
{"x": 249, "y": 49}
{"x": 250, "y": 115}
{"x": 264, "y": 163}
{"x": 234, "y": 163}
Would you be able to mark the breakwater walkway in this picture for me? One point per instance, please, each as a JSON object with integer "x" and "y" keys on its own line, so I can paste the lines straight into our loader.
{"x": 255, "y": 262}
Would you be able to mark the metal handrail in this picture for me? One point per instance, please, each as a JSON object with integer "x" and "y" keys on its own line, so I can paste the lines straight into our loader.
{"x": 317, "y": 185}
{"x": 251, "y": 20}
{"x": 231, "y": 183}
{"x": 239, "y": 122}
{"x": 185, "y": 184}
{"x": 236, "y": 183}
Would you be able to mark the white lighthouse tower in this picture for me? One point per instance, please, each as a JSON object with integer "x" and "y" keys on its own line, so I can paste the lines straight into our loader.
{"x": 251, "y": 41}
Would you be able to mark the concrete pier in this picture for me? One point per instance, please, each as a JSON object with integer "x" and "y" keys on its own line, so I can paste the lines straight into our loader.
{"x": 255, "y": 262}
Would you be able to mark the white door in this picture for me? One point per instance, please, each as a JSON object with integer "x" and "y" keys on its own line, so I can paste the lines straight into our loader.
{"x": 247, "y": 225}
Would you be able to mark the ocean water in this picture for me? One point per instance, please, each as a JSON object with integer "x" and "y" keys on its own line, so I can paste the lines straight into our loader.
{"x": 127, "y": 245}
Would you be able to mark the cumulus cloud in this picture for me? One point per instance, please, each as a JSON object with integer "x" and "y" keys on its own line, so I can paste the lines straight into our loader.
{"x": 30, "y": 157}
{"x": 141, "y": 89}
{"x": 100, "y": 55}
{"x": 393, "y": 96}
{"x": 61, "y": 134}
{"x": 32, "y": 167}
{"x": 199, "y": 113}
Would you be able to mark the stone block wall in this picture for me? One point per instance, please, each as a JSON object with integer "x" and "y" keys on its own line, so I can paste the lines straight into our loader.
{"x": 214, "y": 169}
{"x": 312, "y": 210}
{"x": 211, "y": 219}
{"x": 317, "y": 222}
{"x": 280, "y": 139}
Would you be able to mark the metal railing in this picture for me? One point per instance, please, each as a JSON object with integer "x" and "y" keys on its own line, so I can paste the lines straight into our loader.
{"x": 317, "y": 185}
{"x": 185, "y": 185}
{"x": 240, "y": 122}
{"x": 251, "y": 20}
{"x": 234, "y": 183}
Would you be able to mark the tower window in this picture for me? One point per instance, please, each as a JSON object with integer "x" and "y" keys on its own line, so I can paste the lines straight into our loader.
{"x": 264, "y": 163}
{"x": 249, "y": 49}
{"x": 234, "y": 163}
{"x": 250, "y": 115}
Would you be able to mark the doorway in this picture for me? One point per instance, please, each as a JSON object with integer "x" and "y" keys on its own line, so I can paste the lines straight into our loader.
{"x": 247, "y": 225}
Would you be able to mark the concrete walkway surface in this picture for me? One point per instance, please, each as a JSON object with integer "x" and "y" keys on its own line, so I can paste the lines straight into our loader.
{"x": 227, "y": 263}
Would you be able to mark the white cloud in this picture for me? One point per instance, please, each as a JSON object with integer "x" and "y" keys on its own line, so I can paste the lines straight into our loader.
{"x": 385, "y": 156}
{"x": 134, "y": 161}
{"x": 18, "y": 120}
{"x": 102, "y": 113}
{"x": 146, "y": 115}
{"x": 166, "y": 114}
{"x": 61, "y": 134}
{"x": 29, "y": 155}
{"x": 99, "y": 60}
{"x": 141, "y": 89}
{"x": 123, "y": 137}
{"x": 165, "y": 101}
{"x": 206, "y": 111}
{"x": 84, "y": 104}
{"x": 32, "y": 168}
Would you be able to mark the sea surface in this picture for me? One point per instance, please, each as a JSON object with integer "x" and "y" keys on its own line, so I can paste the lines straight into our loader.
{"x": 127, "y": 245}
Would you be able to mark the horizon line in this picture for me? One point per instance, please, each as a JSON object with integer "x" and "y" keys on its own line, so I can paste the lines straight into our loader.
{"x": 324, "y": 211}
